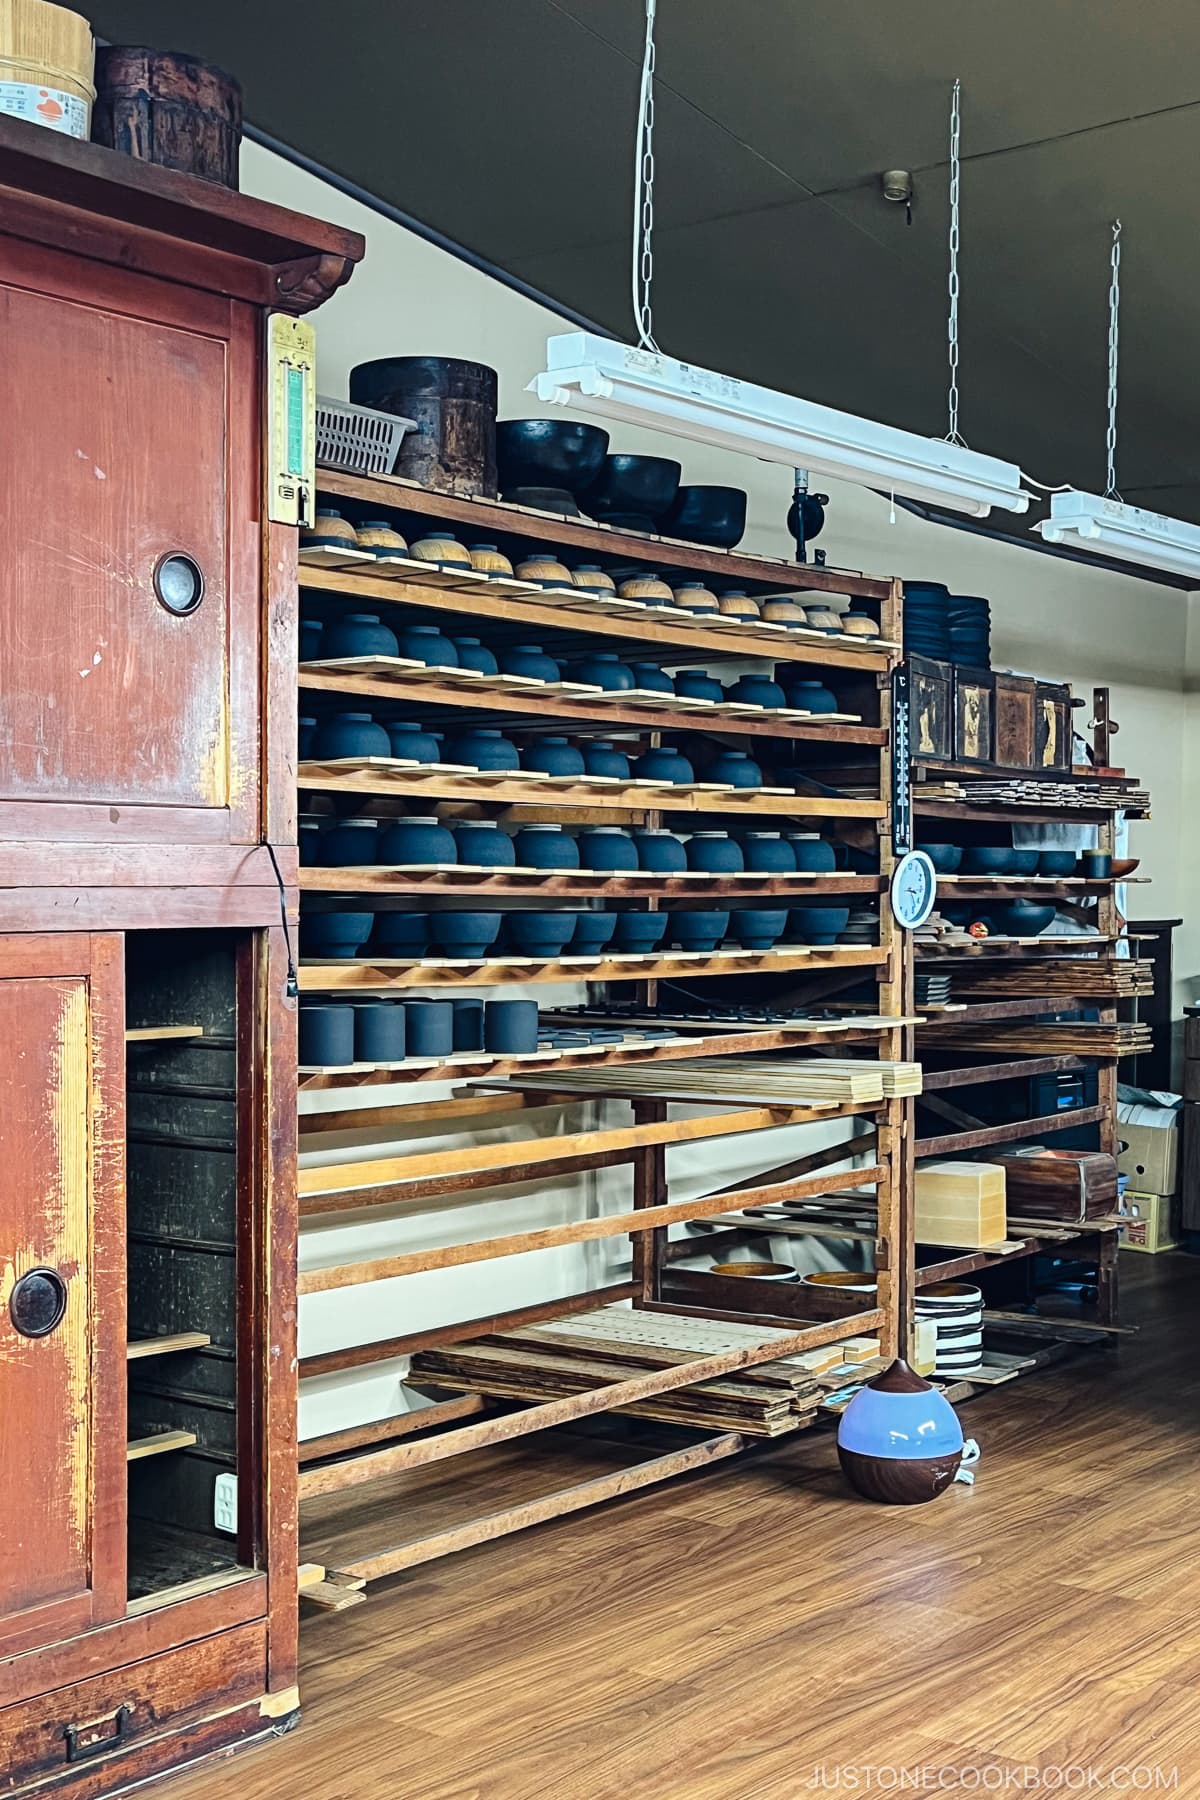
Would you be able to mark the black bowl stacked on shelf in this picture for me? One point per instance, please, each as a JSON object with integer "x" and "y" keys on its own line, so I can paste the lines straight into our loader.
{"x": 970, "y": 631}
{"x": 926, "y": 620}
{"x": 954, "y": 628}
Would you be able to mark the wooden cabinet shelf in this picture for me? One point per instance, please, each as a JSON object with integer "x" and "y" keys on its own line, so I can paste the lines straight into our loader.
{"x": 162, "y": 1034}
{"x": 576, "y": 884}
{"x": 379, "y": 975}
{"x": 572, "y": 611}
{"x": 137, "y": 1348}
{"x": 602, "y": 542}
{"x": 566, "y": 701}
{"x": 385, "y": 777}
{"x": 158, "y": 1444}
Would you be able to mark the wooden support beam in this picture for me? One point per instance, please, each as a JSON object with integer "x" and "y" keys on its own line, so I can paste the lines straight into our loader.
{"x": 580, "y": 1231}
{"x": 357, "y": 1356}
{"x": 384, "y": 1431}
{"x": 586, "y": 1405}
{"x": 956, "y": 1142}
{"x": 397, "y": 1171}
{"x": 420, "y": 1112}
{"x": 435, "y": 1186}
{"x": 551, "y": 1506}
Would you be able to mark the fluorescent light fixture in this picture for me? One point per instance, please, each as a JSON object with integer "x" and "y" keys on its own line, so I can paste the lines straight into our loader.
{"x": 643, "y": 387}
{"x": 1089, "y": 522}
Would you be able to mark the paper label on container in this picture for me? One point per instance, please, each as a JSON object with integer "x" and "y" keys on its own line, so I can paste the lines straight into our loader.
{"x": 45, "y": 106}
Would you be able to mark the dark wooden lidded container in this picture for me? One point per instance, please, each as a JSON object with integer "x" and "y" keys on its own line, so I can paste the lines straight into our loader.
{"x": 453, "y": 449}
{"x": 974, "y": 715}
{"x": 1015, "y": 706}
{"x": 930, "y": 686}
{"x": 1052, "y": 727}
{"x": 1068, "y": 1185}
{"x": 165, "y": 107}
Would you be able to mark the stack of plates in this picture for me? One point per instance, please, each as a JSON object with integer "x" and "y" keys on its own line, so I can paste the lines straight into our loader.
{"x": 927, "y": 620}
{"x": 931, "y": 990}
{"x": 957, "y": 1311}
{"x": 862, "y": 927}
{"x": 970, "y": 631}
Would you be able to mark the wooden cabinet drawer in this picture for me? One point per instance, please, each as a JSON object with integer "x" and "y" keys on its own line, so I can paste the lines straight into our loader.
{"x": 101, "y": 1733}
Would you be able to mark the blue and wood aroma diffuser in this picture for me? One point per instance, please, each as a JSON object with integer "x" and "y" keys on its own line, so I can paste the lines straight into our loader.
{"x": 899, "y": 1440}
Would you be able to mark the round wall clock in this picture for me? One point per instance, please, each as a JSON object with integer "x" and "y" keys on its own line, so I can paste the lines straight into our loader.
{"x": 914, "y": 890}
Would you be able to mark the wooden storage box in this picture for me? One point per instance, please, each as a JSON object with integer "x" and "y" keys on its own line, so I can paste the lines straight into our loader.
{"x": 1153, "y": 1223}
{"x": 1014, "y": 732}
{"x": 974, "y": 716}
{"x": 961, "y": 1204}
{"x": 930, "y": 699}
{"x": 1071, "y": 1185}
{"x": 1052, "y": 727}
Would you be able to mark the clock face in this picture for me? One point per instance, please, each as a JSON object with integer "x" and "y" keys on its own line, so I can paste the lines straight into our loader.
{"x": 914, "y": 890}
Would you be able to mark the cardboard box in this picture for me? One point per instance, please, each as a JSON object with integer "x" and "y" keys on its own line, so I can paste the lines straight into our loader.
{"x": 1153, "y": 1222}
{"x": 1150, "y": 1148}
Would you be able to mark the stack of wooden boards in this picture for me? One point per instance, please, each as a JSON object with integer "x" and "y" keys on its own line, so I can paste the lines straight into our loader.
{"x": 1047, "y": 1037}
{"x": 817, "y": 1081}
{"x": 592, "y": 1350}
{"x": 1062, "y": 978}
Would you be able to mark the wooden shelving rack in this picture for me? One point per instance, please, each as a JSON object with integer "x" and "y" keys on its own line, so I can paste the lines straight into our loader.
{"x": 965, "y": 1132}
{"x": 336, "y": 1467}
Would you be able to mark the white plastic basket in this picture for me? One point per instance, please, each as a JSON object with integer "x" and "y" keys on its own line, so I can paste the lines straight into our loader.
{"x": 357, "y": 438}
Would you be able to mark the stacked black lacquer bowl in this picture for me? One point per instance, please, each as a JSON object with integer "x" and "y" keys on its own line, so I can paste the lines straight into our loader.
{"x": 954, "y": 628}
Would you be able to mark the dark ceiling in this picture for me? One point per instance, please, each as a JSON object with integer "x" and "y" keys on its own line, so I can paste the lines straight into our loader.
{"x": 508, "y": 125}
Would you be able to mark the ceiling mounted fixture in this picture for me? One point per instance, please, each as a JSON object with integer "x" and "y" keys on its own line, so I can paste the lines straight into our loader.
{"x": 644, "y": 387}
{"x": 1107, "y": 527}
{"x": 1102, "y": 524}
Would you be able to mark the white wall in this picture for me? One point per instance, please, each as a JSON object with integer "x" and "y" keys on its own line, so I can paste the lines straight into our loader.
{"x": 1051, "y": 617}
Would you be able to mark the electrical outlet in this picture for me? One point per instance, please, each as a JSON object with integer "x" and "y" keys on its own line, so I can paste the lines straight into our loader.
{"x": 225, "y": 1504}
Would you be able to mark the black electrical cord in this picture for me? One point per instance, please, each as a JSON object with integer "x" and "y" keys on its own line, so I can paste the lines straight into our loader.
{"x": 292, "y": 986}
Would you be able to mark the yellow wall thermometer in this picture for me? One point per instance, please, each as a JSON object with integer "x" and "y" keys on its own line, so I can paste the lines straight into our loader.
{"x": 291, "y": 420}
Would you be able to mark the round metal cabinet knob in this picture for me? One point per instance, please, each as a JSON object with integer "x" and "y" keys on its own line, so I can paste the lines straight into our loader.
{"x": 38, "y": 1302}
{"x": 179, "y": 583}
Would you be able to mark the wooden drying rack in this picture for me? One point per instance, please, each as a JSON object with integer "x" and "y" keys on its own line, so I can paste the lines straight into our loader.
{"x": 336, "y": 1466}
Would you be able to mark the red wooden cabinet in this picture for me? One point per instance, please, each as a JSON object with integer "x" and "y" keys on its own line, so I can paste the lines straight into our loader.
{"x": 147, "y": 1083}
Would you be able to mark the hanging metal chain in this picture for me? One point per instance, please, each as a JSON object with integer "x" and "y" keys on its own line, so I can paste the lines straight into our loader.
{"x": 953, "y": 436}
{"x": 1114, "y": 323}
{"x": 643, "y": 194}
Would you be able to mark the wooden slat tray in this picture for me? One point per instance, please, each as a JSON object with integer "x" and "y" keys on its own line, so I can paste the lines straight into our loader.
{"x": 383, "y": 973}
{"x": 525, "y": 686}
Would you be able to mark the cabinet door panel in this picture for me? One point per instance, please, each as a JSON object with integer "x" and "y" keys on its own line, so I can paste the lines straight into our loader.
{"x": 116, "y": 432}
{"x": 61, "y": 1222}
{"x": 131, "y": 437}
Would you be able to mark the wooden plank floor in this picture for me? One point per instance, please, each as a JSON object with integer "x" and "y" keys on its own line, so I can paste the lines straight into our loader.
{"x": 734, "y": 1635}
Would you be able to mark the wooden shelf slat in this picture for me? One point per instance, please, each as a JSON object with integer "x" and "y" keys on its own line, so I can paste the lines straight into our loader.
{"x": 357, "y": 1356}
{"x": 162, "y": 1034}
{"x": 137, "y": 1348}
{"x": 611, "y": 713}
{"x": 604, "y": 541}
{"x": 659, "y": 627}
{"x": 955, "y": 1143}
{"x": 158, "y": 1445}
{"x": 342, "y": 1275}
{"x": 578, "y": 884}
{"x": 697, "y": 799}
{"x": 379, "y": 975}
